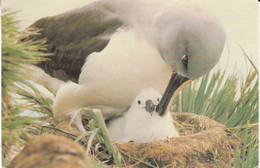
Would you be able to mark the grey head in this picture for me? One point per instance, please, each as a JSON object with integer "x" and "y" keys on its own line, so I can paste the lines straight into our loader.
{"x": 191, "y": 42}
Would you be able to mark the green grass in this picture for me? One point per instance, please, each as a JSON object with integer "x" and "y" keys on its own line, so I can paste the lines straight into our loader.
{"x": 15, "y": 56}
{"x": 100, "y": 123}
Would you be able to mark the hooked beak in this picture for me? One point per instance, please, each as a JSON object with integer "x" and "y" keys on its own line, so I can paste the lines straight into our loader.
{"x": 177, "y": 82}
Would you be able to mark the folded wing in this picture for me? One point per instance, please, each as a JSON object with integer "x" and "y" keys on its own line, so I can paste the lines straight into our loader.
{"x": 73, "y": 35}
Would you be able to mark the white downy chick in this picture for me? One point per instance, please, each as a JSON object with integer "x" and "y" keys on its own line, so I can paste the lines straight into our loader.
{"x": 141, "y": 123}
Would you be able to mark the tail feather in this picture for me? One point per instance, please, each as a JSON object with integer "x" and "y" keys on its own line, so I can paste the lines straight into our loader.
{"x": 70, "y": 97}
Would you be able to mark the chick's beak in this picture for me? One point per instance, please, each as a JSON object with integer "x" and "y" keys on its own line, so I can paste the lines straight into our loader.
{"x": 177, "y": 82}
{"x": 149, "y": 106}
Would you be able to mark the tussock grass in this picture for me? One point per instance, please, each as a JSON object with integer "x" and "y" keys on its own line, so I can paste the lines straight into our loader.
{"x": 14, "y": 57}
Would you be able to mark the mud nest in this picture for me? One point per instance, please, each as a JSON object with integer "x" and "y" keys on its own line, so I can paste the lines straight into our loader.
{"x": 202, "y": 143}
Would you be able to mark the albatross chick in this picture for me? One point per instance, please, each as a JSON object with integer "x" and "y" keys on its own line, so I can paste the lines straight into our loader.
{"x": 141, "y": 123}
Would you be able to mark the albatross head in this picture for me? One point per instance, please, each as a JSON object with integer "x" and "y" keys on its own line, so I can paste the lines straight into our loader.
{"x": 191, "y": 42}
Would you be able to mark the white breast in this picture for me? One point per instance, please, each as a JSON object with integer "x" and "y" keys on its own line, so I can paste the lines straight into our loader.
{"x": 127, "y": 65}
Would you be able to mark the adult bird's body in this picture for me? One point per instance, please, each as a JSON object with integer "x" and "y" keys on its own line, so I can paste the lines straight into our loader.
{"x": 114, "y": 77}
{"x": 129, "y": 46}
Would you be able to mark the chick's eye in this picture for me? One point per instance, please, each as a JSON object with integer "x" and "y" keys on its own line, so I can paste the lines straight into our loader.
{"x": 139, "y": 102}
{"x": 158, "y": 99}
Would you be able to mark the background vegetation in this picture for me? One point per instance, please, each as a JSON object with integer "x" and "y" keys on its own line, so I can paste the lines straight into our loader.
{"x": 15, "y": 56}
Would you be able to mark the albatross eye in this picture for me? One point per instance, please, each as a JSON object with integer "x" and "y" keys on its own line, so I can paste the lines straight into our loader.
{"x": 185, "y": 61}
{"x": 158, "y": 99}
{"x": 139, "y": 102}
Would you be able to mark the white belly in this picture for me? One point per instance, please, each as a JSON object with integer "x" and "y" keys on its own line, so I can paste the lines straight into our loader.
{"x": 126, "y": 66}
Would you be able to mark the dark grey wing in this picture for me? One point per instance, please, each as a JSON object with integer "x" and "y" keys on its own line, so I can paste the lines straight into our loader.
{"x": 73, "y": 35}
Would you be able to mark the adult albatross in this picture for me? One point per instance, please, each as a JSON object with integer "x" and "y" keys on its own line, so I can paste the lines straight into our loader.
{"x": 112, "y": 49}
